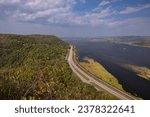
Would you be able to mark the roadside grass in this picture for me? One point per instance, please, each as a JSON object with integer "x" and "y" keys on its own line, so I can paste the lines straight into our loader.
{"x": 99, "y": 71}
{"x": 103, "y": 92}
{"x": 111, "y": 97}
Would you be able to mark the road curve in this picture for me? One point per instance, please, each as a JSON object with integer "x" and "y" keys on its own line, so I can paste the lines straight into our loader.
{"x": 82, "y": 73}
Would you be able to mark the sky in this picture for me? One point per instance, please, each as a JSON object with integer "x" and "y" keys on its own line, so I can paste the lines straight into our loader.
{"x": 76, "y": 18}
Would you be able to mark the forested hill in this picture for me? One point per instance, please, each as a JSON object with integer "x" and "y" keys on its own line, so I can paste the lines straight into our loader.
{"x": 34, "y": 67}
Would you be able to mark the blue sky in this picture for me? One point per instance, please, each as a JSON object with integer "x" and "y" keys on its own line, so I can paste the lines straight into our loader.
{"x": 75, "y": 18}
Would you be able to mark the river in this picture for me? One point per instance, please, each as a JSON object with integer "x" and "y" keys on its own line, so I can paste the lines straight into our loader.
{"x": 112, "y": 55}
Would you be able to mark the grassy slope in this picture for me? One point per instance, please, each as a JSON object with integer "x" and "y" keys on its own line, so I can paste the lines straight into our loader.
{"x": 34, "y": 67}
{"x": 98, "y": 70}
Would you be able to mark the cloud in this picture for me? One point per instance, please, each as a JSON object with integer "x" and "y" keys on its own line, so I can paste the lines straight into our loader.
{"x": 92, "y": 18}
{"x": 48, "y": 4}
{"x": 9, "y": 1}
{"x": 60, "y": 17}
{"x": 130, "y": 10}
{"x": 61, "y": 12}
{"x": 104, "y": 3}
{"x": 51, "y": 10}
{"x": 132, "y": 26}
{"x": 47, "y": 14}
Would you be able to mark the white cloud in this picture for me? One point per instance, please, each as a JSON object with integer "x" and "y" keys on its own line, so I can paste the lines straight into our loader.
{"x": 106, "y": 12}
{"x": 62, "y": 12}
{"x": 104, "y": 2}
{"x": 91, "y": 18}
{"x": 9, "y": 1}
{"x": 48, "y": 13}
{"x": 129, "y": 10}
{"x": 134, "y": 26}
{"x": 59, "y": 12}
{"x": 48, "y": 4}
{"x": 34, "y": 9}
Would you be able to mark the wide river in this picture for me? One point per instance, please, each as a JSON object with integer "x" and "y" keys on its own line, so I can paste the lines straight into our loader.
{"x": 112, "y": 56}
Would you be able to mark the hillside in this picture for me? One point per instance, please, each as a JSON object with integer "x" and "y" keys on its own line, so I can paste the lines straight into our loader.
{"x": 34, "y": 67}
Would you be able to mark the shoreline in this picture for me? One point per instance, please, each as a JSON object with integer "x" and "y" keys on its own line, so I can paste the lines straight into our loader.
{"x": 131, "y": 44}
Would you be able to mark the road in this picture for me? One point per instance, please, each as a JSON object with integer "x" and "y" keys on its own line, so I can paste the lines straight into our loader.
{"x": 82, "y": 73}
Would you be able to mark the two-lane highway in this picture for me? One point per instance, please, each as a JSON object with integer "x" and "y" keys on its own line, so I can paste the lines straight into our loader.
{"x": 81, "y": 73}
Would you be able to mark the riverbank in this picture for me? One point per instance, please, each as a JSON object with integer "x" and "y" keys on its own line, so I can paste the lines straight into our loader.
{"x": 138, "y": 44}
{"x": 143, "y": 72}
{"x": 98, "y": 70}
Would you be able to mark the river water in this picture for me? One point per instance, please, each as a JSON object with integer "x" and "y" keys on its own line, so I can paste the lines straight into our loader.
{"x": 112, "y": 55}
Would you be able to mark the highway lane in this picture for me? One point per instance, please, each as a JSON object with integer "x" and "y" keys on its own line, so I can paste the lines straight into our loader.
{"x": 81, "y": 73}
